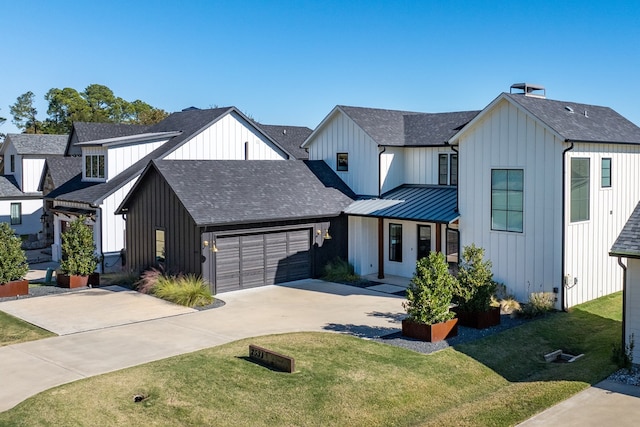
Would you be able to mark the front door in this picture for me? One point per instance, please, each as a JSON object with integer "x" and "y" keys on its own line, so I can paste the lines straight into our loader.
{"x": 424, "y": 241}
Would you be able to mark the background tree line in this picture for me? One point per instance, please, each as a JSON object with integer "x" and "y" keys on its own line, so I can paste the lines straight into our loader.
{"x": 96, "y": 103}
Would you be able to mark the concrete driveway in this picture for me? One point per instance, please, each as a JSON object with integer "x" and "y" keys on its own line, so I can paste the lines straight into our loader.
{"x": 91, "y": 309}
{"x": 307, "y": 305}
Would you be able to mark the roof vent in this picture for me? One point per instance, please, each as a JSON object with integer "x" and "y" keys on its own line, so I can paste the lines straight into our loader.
{"x": 569, "y": 109}
{"x": 284, "y": 131}
{"x": 529, "y": 89}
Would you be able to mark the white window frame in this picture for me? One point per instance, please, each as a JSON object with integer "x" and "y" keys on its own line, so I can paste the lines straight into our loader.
{"x": 92, "y": 167}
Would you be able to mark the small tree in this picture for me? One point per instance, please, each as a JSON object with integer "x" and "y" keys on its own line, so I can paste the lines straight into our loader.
{"x": 430, "y": 292}
{"x": 78, "y": 250}
{"x": 475, "y": 284}
{"x": 13, "y": 261}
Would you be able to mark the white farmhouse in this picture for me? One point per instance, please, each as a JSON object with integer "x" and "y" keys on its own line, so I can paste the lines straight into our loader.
{"x": 544, "y": 186}
{"x": 23, "y": 161}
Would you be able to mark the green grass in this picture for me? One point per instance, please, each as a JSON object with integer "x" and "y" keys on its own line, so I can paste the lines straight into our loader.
{"x": 342, "y": 380}
{"x": 14, "y": 331}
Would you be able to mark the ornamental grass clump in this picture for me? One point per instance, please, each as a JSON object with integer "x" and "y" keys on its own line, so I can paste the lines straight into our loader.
{"x": 13, "y": 261}
{"x": 539, "y": 304}
{"x": 188, "y": 290}
{"x": 475, "y": 285}
{"x": 430, "y": 292}
{"x": 339, "y": 270}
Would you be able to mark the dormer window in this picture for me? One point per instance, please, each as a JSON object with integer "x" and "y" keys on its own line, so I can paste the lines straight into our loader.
{"x": 94, "y": 166}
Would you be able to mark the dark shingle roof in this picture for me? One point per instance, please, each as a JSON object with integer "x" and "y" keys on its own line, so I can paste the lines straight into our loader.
{"x": 411, "y": 202}
{"x": 219, "y": 192}
{"x": 37, "y": 144}
{"x": 289, "y": 137}
{"x": 189, "y": 122}
{"x": 406, "y": 128}
{"x": 89, "y": 131}
{"x": 628, "y": 242}
{"x": 62, "y": 168}
{"x": 601, "y": 124}
{"x": 9, "y": 187}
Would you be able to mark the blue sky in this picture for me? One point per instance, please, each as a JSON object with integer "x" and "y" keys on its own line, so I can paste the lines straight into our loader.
{"x": 290, "y": 62}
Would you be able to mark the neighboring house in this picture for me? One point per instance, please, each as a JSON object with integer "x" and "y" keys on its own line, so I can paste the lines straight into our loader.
{"x": 401, "y": 165}
{"x": 239, "y": 224}
{"x": 24, "y": 157}
{"x": 628, "y": 246}
{"x": 545, "y": 187}
{"x": 113, "y": 158}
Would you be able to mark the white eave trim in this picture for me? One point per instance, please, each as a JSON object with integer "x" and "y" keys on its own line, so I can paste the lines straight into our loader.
{"x": 122, "y": 140}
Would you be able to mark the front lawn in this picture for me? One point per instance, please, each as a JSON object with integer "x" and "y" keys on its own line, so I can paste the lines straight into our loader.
{"x": 14, "y": 331}
{"x": 342, "y": 380}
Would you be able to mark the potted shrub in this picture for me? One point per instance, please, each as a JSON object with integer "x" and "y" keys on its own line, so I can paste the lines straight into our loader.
{"x": 428, "y": 299}
{"x": 474, "y": 289}
{"x": 13, "y": 264}
{"x": 78, "y": 255}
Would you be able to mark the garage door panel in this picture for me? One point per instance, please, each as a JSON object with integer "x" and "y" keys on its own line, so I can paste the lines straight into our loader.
{"x": 263, "y": 259}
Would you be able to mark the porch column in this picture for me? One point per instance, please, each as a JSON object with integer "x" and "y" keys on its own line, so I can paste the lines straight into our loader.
{"x": 438, "y": 237}
{"x": 380, "y": 248}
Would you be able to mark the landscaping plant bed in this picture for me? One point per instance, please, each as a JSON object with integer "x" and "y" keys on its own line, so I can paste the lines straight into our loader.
{"x": 478, "y": 319}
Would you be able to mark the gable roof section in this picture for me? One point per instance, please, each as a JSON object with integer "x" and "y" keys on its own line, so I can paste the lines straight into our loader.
{"x": 61, "y": 169}
{"x": 289, "y": 137}
{"x": 225, "y": 192}
{"x": 88, "y": 131}
{"x": 411, "y": 202}
{"x": 9, "y": 187}
{"x": 395, "y": 128}
{"x": 628, "y": 242}
{"x": 568, "y": 120}
{"x": 36, "y": 144}
{"x": 190, "y": 122}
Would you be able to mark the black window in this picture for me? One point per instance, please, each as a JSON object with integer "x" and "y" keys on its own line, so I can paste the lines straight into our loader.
{"x": 395, "y": 242}
{"x": 453, "y": 246}
{"x": 12, "y": 160}
{"x": 443, "y": 169}
{"x": 160, "y": 248}
{"x": 605, "y": 179}
{"x": 424, "y": 241}
{"x": 342, "y": 162}
{"x": 16, "y": 213}
{"x": 507, "y": 199}
{"x": 579, "y": 189}
{"x": 453, "y": 179}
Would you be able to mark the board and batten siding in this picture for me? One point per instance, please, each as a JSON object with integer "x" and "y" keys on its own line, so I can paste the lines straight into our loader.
{"x": 341, "y": 135}
{"x": 507, "y": 138}
{"x": 31, "y": 173}
{"x": 421, "y": 164}
{"x": 392, "y": 166}
{"x": 363, "y": 244}
{"x": 113, "y": 226}
{"x": 120, "y": 157}
{"x": 225, "y": 140}
{"x": 592, "y": 272}
{"x": 633, "y": 303}
{"x": 31, "y": 211}
{"x": 156, "y": 205}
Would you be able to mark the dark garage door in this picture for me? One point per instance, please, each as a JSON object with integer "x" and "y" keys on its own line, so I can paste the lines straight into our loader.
{"x": 262, "y": 259}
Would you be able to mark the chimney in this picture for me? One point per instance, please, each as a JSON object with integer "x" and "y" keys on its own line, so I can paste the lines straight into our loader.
{"x": 528, "y": 89}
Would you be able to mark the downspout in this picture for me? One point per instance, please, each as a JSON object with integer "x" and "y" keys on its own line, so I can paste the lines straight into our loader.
{"x": 624, "y": 302}
{"x": 380, "y": 220}
{"x": 101, "y": 241}
{"x": 563, "y": 294}
{"x": 380, "y": 170}
{"x": 453, "y": 147}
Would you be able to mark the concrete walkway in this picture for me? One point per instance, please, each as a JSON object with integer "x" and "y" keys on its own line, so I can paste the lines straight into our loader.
{"x": 606, "y": 404}
{"x": 307, "y": 305}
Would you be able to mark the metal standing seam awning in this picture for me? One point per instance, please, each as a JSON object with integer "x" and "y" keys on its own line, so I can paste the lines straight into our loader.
{"x": 435, "y": 204}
